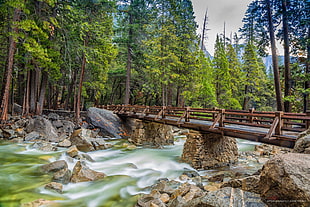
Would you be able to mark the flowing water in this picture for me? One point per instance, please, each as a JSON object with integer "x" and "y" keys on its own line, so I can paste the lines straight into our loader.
{"x": 130, "y": 172}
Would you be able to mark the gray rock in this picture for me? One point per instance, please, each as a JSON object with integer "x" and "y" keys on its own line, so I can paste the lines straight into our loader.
{"x": 250, "y": 184}
{"x": 302, "y": 145}
{"x": 54, "y": 186}
{"x": 109, "y": 123}
{"x": 44, "y": 146}
{"x": 53, "y": 116}
{"x": 9, "y": 133}
{"x": 84, "y": 142}
{"x": 81, "y": 173}
{"x": 224, "y": 197}
{"x": 54, "y": 166}
{"x": 286, "y": 178}
{"x": 32, "y": 136}
{"x": 64, "y": 143}
{"x": 80, "y": 141}
{"x": 44, "y": 127}
{"x": 73, "y": 151}
{"x": 62, "y": 176}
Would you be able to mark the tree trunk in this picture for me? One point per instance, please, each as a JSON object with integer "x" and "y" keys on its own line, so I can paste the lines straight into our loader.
{"x": 9, "y": 69}
{"x": 307, "y": 82}
{"x": 204, "y": 30}
{"x": 33, "y": 90}
{"x": 26, "y": 96}
{"x": 129, "y": 61}
{"x": 246, "y": 99}
{"x": 42, "y": 93}
{"x": 78, "y": 100}
{"x": 274, "y": 58}
{"x": 287, "y": 70}
{"x": 70, "y": 90}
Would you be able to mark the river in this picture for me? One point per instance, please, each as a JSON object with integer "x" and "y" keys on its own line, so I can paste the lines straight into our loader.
{"x": 130, "y": 172}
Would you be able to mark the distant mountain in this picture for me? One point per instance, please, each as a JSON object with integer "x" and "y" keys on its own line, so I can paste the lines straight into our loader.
{"x": 268, "y": 63}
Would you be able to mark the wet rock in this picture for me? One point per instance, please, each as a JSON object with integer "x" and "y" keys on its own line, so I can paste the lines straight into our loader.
{"x": 212, "y": 187}
{"x": 152, "y": 199}
{"x": 73, "y": 151}
{"x": 194, "y": 192}
{"x": 250, "y": 184}
{"x": 62, "y": 176}
{"x": 54, "y": 166}
{"x": 177, "y": 202}
{"x": 44, "y": 146}
{"x": 44, "y": 127}
{"x": 84, "y": 142}
{"x": 64, "y": 143}
{"x": 38, "y": 203}
{"x": 164, "y": 197}
{"x": 32, "y": 136}
{"x": 204, "y": 151}
{"x": 84, "y": 156}
{"x": 99, "y": 144}
{"x": 9, "y": 133}
{"x": 82, "y": 173}
{"x": 302, "y": 145}
{"x": 285, "y": 178}
{"x": 191, "y": 173}
{"x": 217, "y": 178}
{"x": 226, "y": 197}
{"x": 54, "y": 186}
{"x": 181, "y": 191}
{"x": 80, "y": 141}
{"x": 164, "y": 186}
{"x": 108, "y": 123}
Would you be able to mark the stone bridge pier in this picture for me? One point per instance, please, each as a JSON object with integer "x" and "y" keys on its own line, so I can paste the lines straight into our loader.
{"x": 201, "y": 150}
{"x": 209, "y": 150}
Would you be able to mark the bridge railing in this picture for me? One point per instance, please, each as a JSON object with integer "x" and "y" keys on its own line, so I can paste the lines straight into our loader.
{"x": 275, "y": 122}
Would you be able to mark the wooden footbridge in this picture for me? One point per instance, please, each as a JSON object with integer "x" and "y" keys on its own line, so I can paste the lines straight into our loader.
{"x": 277, "y": 128}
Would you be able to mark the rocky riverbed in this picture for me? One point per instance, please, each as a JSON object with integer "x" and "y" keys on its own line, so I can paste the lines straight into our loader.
{"x": 265, "y": 176}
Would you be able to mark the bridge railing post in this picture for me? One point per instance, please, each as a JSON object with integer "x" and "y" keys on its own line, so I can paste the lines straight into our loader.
{"x": 251, "y": 117}
{"x": 279, "y": 126}
{"x": 163, "y": 115}
{"x": 187, "y": 115}
{"x": 222, "y": 117}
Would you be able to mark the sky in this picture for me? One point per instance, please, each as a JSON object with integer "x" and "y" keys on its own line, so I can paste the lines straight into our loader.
{"x": 219, "y": 11}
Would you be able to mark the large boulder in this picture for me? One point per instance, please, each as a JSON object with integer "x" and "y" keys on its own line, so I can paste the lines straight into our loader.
{"x": 285, "y": 180}
{"x": 82, "y": 139}
{"x": 54, "y": 166}
{"x": 81, "y": 173}
{"x": 108, "y": 122}
{"x": 303, "y": 145}
{"x": 44, "y": 127}
{"x": 224, "y": 197}
{"x": 204, "y": 151}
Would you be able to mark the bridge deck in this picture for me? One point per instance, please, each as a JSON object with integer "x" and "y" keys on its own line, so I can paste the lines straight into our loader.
{"x": 275, "y": 128}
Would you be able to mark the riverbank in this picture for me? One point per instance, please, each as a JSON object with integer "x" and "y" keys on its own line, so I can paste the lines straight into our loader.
{"x": 124, "y": 174}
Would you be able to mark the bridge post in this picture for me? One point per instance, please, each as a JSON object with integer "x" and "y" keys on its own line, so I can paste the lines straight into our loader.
{"x": 163, "y": 115}
{"x": 222, "y": 117}
{"x": 278, "y": 130}
{"x": 187, "y": 114}
{"x": 251, "y": 118}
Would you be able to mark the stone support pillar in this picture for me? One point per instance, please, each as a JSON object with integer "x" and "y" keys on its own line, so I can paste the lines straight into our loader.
{"x": 151, "y": 133}
{"x": 209, "y": 150}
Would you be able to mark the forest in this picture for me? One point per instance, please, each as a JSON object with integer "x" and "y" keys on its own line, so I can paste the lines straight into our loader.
{"x": 73, "y": 54}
